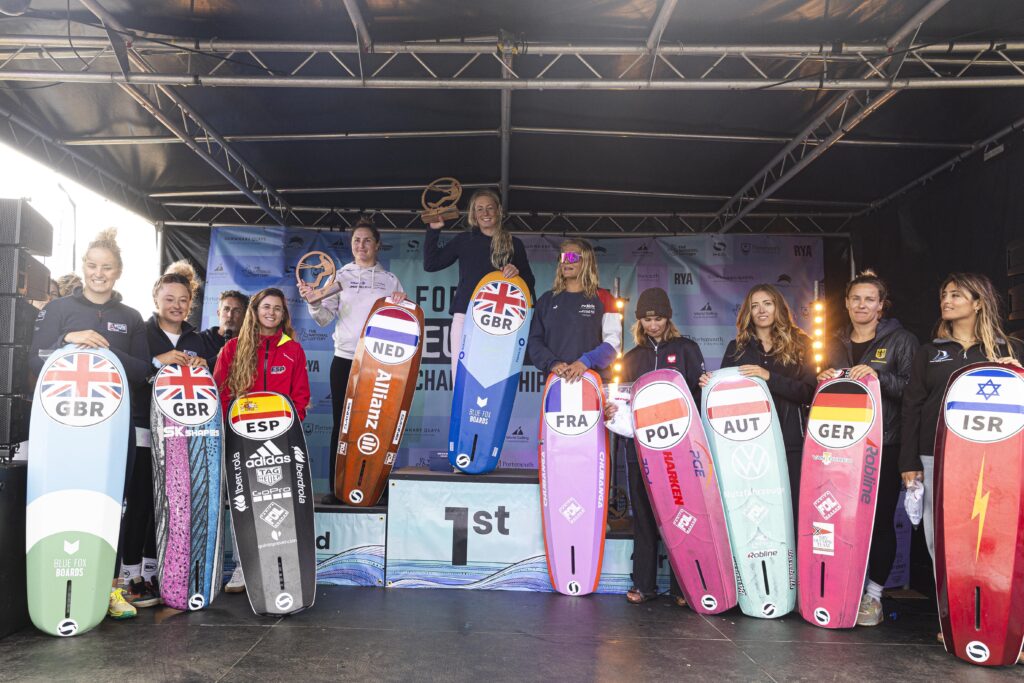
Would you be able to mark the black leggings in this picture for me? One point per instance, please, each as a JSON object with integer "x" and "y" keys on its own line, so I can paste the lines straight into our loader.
{"x": 138, "y": 532}
{"x": 883, "y": 538}
{"x": 340, "y": 368}
{"x": 645, "y": 529}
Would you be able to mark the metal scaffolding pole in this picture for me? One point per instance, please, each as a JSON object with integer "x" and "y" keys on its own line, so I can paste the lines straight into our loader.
{"x": 35, "y": 141}
{"x": 250, "y": 184}
{"x": 831, "y": 125}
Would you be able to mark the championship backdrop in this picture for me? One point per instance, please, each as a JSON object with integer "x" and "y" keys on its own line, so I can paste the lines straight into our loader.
{"x": 706, "y": 277}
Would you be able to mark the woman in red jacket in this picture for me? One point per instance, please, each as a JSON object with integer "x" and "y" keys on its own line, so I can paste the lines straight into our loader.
{"x": 264, "y": 356}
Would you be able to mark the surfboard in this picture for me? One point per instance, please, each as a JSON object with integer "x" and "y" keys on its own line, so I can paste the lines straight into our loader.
{"x": 750, "y": 459}
{"x": 271, "y": 492}
{"x": 381, "y": 385}
{"x": 838, "y": 493}
{"x": 683, "y": 490}
{"x": 490, "y": 359}
{"x": 78, "y": 437}
{"x": 979, "y": 514}
{"x": 188, "y": 448}
{"x": 573, "y": 468}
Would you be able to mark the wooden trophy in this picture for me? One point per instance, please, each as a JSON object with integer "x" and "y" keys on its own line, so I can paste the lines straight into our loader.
{"x": 445, "y": 207}
{"x": 321, "y": 267}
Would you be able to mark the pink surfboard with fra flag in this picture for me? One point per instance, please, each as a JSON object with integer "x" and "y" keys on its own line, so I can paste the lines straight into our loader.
{"x": 838, "y": 493}
{"x": 683, "y": 489}
{"x": 573, "y": 469}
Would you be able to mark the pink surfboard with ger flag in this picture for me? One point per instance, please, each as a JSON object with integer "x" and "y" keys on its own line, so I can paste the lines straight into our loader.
{"x": 838, "y": 492}
{"x": 573, "y": 468}
{"x": 683, "y": 489}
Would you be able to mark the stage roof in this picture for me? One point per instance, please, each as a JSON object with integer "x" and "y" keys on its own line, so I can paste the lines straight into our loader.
{"x": 599, "y": 115}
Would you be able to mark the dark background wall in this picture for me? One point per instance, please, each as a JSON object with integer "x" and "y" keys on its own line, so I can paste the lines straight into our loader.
{"x": 963, "y": 220}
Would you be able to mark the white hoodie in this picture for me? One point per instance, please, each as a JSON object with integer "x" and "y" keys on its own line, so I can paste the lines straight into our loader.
{"x": 361, "y": 287}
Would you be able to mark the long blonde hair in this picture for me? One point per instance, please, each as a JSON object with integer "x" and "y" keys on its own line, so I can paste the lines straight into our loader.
{"x": 641, "y": 338}
{"x": 501, "y": 240}
{"x": 789, "y": 342}
{"x": 988, "y": 327}
{"x": 243, "y": 367}
{"x": 588, "y": 278}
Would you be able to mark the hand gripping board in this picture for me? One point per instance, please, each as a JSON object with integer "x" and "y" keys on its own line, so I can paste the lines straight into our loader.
{"x": 683, "y": 489}
{"x": 271, "y": 492}
{"x": 979, "y": 514}
{"x": 381, "y": 385}
{"x": 750, "y": 460}
{"x": 838, "y": 493}
{"x": 490, "y": 360}
{"x": 81, "y": 414}
{"x": 188, "y": 449}
{"x": 573, "y": 468}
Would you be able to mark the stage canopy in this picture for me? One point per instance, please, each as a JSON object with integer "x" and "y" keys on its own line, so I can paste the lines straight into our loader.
{"x": 645, "y": 116}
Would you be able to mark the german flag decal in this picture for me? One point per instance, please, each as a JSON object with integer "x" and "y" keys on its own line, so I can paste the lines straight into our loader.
{"x": 841, "y": 414}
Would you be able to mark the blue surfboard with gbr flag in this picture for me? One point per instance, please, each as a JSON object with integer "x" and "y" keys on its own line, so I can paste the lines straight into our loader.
{"x": 490, "y": 359}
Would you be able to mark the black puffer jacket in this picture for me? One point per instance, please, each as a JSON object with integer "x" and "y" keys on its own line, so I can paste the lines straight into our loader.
{"x": 890, "y": 355}
{"x": 932, "y": 367}
{"x": 679, "y": 354}
{"x": 791, "y": 386}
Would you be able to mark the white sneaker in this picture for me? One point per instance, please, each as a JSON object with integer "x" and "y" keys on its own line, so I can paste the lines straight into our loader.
{"x": 870, "y": 612}
{"x": 237, "y": 582}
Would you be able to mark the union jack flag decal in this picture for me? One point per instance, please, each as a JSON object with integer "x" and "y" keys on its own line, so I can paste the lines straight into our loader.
{"x": 184, "y": 383}
{"x": 501, "y": 298}
{"x": 82, "y": 375}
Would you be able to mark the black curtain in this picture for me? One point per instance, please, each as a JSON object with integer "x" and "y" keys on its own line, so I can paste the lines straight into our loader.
{"x": 191, "y": 244}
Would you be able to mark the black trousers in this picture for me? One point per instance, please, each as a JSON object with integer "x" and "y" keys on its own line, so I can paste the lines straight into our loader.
{"x": 138, "y": 530}
{"x": 645, "y": 529}
{"x": 883, "y": 538}
{"x": 794, "y": 458}
{"x": 340, "y": 369}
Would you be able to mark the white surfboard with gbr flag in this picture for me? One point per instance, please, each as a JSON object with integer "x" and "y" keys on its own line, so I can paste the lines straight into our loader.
{"x": 750, "y": 459}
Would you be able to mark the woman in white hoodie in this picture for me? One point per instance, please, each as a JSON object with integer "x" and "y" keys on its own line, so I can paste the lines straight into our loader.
{"x": 362, "y": 282}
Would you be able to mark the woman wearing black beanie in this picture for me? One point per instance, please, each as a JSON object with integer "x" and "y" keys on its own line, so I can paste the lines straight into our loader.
{"x": 659, "y": 345}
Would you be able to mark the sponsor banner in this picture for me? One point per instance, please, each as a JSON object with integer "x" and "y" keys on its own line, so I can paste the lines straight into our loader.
{"x": 706, "y": 276}
{"x": 481, "y": 536}
{"x": 350, "y": 548}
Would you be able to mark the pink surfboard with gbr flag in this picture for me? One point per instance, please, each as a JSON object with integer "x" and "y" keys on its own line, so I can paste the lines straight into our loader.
{"x": 573, "y": 468}
{"x": 683, "y": 489}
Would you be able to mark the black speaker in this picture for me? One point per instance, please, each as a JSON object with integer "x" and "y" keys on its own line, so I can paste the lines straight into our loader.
{"x": 17, "y": 320}
{"x": 13, "y": 594}
{"x": 14, "y": 415}
{"x": 24, "y": 275}
{"x": 22, "y": 226}
{"x": 14, "y": 370}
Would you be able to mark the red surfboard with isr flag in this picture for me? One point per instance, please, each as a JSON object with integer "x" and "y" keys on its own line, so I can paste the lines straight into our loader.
{"x": 979, "y": 514}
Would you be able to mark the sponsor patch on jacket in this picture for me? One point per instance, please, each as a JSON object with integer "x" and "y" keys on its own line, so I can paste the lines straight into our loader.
{"x": 880, "y": 354}
{"x": 277, "y": 370}
{"x": 672, "y": 358}
{"x": 41, "y": 316}
{"x": 941, "y": 356}
{"x": 117, "y": 327}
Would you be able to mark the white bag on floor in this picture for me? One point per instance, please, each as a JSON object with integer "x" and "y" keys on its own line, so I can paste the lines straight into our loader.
{"x": 914, "y": 502}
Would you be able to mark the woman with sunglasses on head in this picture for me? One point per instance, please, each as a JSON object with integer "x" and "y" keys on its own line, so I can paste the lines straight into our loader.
{"x": 486, "y": 247}
{"x": 659, "y": 345}
{"x": 263, "y": 357}
{"x": 94, "y": 317}
{"x": 875, "y": 345}
{"x": 576, "y": 326}
{"x": 363, "y": 282}
{"x": 770, "y": 346}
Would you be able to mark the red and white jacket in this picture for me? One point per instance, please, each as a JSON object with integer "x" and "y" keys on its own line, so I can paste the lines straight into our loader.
{"x": 280, "y": 367}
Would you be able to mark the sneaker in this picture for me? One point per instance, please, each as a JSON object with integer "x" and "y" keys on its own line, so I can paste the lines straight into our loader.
{"x": 142, "y": 594}
{"x": 119, "y": 607}
{"x": 237, "y": 582}
{"x": 870, "y": 612}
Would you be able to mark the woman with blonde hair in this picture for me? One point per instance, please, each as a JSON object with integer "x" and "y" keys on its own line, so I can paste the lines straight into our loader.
{"x": 576, "y": 326}
{"x": 771, "y": 346}
{"x": 486, "y": 247}
{"x": 94, "y": 317}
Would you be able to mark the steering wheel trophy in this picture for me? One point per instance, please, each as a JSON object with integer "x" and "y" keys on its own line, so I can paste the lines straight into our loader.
{"x": 440, "y": 200}
{"x": 317, "y": 269}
